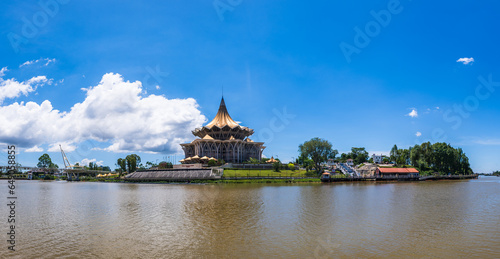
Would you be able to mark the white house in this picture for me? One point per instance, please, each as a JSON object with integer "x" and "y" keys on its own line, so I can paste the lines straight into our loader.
{"x": 377, "y": 159}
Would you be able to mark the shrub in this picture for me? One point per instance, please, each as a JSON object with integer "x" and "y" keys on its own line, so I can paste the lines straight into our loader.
{"x": 276, "y": 166}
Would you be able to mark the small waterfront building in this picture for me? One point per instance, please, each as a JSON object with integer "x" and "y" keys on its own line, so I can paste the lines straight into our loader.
{"x": 397, "y": 172}
{"x": 222, "y": 138}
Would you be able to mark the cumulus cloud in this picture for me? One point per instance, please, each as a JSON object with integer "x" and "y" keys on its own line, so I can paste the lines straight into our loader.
{"x": 413, "y": 113}
{"x": 67, "y": 146}
{"x": 418, "y": 134}
{"x": 466, "y": 61}
{"x": 43, "y": 61}
{"x": 34, "y": 149}
{"x": 114, "y": 112}
{"x": 11, "y": 88}
{"x": 86, "y": 161}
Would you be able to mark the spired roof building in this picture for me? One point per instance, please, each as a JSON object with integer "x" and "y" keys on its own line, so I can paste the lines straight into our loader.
{"x": 222, "y": 138}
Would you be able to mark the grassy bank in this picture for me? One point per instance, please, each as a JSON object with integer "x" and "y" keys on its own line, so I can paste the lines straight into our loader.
{"x": 265, "y": 173}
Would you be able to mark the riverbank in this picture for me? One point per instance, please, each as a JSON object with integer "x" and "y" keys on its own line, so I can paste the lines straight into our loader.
{"x": 260, "y": 180}
{"x": 419, "y": 178}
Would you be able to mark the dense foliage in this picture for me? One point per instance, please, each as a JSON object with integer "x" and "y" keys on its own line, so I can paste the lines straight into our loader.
{"x": 438, "y": 157}
{"x": 44, "y": 161}
{"x": 358, "y": 155}
{"x": 318, "y": 150}
{"x": 129, "y": 164}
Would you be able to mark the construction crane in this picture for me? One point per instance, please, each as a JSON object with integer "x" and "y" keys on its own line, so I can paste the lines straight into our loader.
{"x": 67, "y": 166}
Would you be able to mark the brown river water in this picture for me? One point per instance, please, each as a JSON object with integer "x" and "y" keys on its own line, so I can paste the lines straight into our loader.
{"x": 445, "y": 219}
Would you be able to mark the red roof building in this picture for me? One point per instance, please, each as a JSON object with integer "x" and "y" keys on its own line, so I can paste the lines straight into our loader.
{"x": 397, "y": 172}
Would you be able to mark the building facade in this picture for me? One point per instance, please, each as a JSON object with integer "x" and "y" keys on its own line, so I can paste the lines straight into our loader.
{"x": 222, "y": 138}
{"x": 377, "y": 159}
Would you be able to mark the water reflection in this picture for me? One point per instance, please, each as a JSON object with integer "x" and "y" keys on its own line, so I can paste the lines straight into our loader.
{"x": 108, "y": 220}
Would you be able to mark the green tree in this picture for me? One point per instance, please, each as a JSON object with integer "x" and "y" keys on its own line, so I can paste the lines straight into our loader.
{"x": 221, "y": 162}
{"x": 359, "y": 155}
{"x": 132, "y": 161}
{"x": 164, "y": 165}
{"x": 438, "y": 157}
{"x": 277, "y": 166}
{"x": 497, "y": 173}
{"x": 150, "y": 164}
{"x": 212, "y": 162}
{"x": 318, "y": 150}
{"x": 394, "y": 154}
{"x": 253, "y": 160}
{"x": 291, "y": 167}
{"x": 44, "y": 161}
{"x": 122, "y": 163}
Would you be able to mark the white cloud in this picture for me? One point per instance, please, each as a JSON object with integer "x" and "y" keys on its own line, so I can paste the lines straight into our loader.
{"x": 34, "y": 149}
{"x": 49, "y": 61}
{"x": 418, "y": 134}
{"x": 157, "y": 87}
{"x": 11, "y": 88}
{"x": 27, "y": 63}
{"x": 487, "y": 142}
{"x": 67, "y": 146}
{"x": 45, "y": 61}
{"x": 115, "y": 112}
{"x": 2, "y": 71}
{"x": 59, "y": 82}
{"x": 413, "y": 113}
{"x": 466, "y": 61}
{"x": 86, "y": 161}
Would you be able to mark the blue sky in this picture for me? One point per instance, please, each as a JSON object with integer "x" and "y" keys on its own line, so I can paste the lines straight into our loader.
{"x": 109, "y": 78}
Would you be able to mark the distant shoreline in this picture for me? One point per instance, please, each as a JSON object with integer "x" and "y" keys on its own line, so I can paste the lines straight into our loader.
{"x": 245, "y": 180}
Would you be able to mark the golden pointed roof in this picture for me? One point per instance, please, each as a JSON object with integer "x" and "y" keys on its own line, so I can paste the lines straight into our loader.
{"x": 272, "y": 160}
{"x": 222, "y": 118}
{"x": 207, "y": 137}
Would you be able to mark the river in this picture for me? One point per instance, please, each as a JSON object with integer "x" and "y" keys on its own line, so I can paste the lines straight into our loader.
{"x": 444, "y": 219}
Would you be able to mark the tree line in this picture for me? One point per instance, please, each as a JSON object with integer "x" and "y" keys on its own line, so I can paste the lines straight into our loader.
{"x": 428, "y": 158}
{"x": 439, "y": 158}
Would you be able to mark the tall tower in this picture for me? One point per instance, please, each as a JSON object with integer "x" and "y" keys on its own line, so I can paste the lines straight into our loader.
{"x": 222, "y": 138}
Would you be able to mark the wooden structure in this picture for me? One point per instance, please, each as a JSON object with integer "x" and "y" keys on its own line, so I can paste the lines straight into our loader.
{"x": 222, "y": 138}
